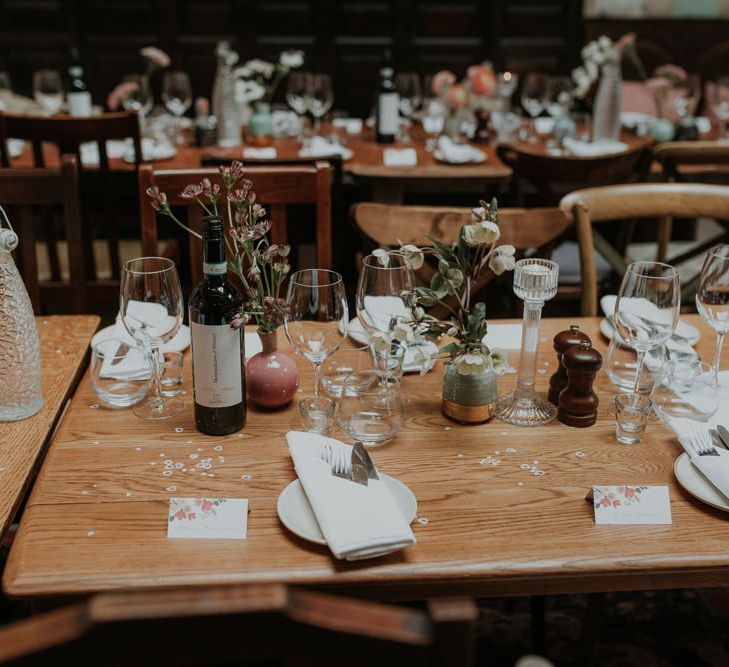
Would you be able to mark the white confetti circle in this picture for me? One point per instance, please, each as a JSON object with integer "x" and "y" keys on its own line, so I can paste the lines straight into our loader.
{"x": 423, "y": 521}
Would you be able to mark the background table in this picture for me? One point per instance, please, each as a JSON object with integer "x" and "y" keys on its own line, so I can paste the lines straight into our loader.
{"x": 97, "y": 517}
{"x": 64, "y": 344}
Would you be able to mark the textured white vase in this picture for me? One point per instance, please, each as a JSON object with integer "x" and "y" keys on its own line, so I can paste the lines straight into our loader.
{"x": 608, "y": 103}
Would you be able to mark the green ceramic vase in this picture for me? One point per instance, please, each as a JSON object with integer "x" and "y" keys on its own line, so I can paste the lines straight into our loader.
{"x": 469, "y": 399}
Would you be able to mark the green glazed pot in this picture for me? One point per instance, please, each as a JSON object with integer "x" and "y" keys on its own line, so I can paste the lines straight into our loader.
{"x": 260, "y": 124}
{"x": 469, "y": 399}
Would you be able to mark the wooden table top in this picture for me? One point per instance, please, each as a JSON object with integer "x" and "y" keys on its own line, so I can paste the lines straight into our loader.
{"x": 97, "y": 517}
{"x": 64, "y": 342}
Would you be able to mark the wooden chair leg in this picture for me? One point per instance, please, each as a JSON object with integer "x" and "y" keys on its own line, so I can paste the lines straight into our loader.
{"x": 590, "y": 627}
{"x": 539, "y": 623}
{"x": 665, "y": 228}
{"x": 454, "y": 626}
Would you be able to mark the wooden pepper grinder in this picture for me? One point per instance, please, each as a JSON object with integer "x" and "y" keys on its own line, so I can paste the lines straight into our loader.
{"x": 578, "y": 402}
{"x": 563, "y": 341}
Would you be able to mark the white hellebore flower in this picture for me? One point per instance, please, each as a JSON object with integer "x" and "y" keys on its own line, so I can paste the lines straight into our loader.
{"x": 484, "y": 232}
{"x": 605, "y": 42}
{"x": 414, "y": 255}
{"x": 478, "y": 215}
{"x": 471, "y": 363}
{"x": 424, "y": 360}
{"x": 382, "y": 256}
{"x": 248, "y": 91}
{"x": 261, "y": 67}
{"x": 403, "y": 333}
{"x": 291, "y": 59}
{"x": 380, "y": 341}
{"x": 503, "y": 259}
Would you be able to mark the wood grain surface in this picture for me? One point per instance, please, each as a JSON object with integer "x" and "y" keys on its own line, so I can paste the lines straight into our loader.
{"x": 97, "y": 517}
{"x": 64, "y": 344}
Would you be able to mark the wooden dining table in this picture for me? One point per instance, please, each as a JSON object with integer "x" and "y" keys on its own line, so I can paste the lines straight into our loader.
{"x": 64, "y": 345}
{"x": 97, "y": 517}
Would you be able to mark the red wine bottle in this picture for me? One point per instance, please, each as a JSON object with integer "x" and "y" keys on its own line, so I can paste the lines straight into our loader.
{"x": 388, "y": 114}
{"x": 218, "y": 352}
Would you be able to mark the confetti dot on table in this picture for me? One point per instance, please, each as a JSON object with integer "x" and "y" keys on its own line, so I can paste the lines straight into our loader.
{"x": 580, "y": 455}
{"x": 128, "y": 493}
{"x": 199, "y": 449}
{"x": 211, "y": 474}
{"x": 172, "y": 488}
{"x": 520, "y": 483}
{"x": 94, "y": 406}
{"x": 169, "y": 462}
{"x": 184, "y": 470}
{"x": 535, "y": 462}
{"x": 218, "y": 448}
{"x": 179, "y": 465}
{"x": 511, "y": 450}
{"x": 483, "y": 462}
{"x": 153, "y": 463}
{"x": 240, "y": 435}
{"x": 246, "y": 477}
{"x": 189, "y": 442}
{"x": 539, "y": 473}
{"x": 193, "y": 456}
{"x": 91, "y": 533}
{"x": 221, "y": 459}
{"x": 45, "y": 321}
{"x": 183, "y": 392}
{"x": 139, "y": 449}
{"x": 162, "y": 454}
{"x": 167, "y": 473}
{"x": 542, "y": 371}
{"x": 204, "y": 473}
{"x": 59, "y": 351}
{"x": 179, "y": 429}
{"x": 447, "y": 428}
{"x": 423, "y": 521}
{"x": 525, "y": 466}
{"x": 2, "y": 469}
{"x": 546, "y": 363}
{"x": 497, "y": 453}
{"x": 504, "y": 433}
{"x": 97, "y": 442}
{"x": 84, "y": 493}
{"x": 460, "y": 456}
{"x": 94, "y": 485}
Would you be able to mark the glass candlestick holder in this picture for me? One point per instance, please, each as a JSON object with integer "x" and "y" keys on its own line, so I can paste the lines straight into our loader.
{"x": 535, "y": 281}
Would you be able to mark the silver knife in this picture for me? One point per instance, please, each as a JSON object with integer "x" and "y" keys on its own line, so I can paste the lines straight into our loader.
{"x": 724, "y": 435}
{"x": 365, "y": 456}
{"x": 716, "y": 439}
{"x": 359, "y": 467}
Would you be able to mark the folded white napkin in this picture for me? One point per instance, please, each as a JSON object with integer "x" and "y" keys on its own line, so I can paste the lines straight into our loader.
{"x": 379, "y": 310}
{"x": 503, "y": 336}
{"x": 115, "y": 148}
{"x": 15, "y": 146}
{"x": 400, "y": 157}
{"x": 458, "y": 153}
{"x": 593, "y": 148}
{"x": 321, "y": 147}
{"x": 351, "y": 125}
{"x": 357, "y": 521}
{"x": 253, "y": 153}
{"x": 134, "y": 365}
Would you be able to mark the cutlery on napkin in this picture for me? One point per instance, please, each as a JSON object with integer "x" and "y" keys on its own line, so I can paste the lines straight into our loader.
{"x": 266, "y": 153}
{"x": 593, "y": 148}
{"x": 714, "y": 466}
{"x": 357, "y": 521}
{"x": 321, "y": 147}
{"x": 458, "y": 153}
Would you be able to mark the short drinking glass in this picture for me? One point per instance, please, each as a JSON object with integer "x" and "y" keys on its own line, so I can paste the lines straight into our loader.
{"x": 631, "y": 417}
{"x": 120, "y": 375}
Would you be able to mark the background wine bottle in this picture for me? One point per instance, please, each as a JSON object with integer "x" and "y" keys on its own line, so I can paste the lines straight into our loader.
{"x": 77, "y": 92}
{"x": 388, "y": 114}
{"x": 218, "y": 351}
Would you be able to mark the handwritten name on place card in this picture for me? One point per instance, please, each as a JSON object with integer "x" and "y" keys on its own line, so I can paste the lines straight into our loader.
{"x": 631, "y": 505}
{"x": 208, "y": 518}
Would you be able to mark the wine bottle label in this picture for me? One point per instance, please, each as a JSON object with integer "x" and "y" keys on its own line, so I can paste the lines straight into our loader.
{"x": 79, "y": 104}
{"x": 215, "y": 269}
{"x": 387, "y": 113}
{"x": 216, "y": 365}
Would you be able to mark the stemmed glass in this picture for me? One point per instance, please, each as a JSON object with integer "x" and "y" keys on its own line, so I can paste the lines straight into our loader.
{"x": 535, "y": 281}
{"x": 720, "y": 104}
{"x": 316, "y": 325}
{"x": 410, "y": 94}
{"x": 298, "y": 90}
{"x": 558, "y": 96}
{"x": 139, "y": 100}
{"x": 433, "y": 121}
{"x": 506, "y": 83}
{"x": 320, "y": 99}
{"x": 383, "y": 279}
{"x": 150, "y": 302}
{"x": 532, "y": 97}
{"x": 177, "y": 96}
{"x": 688, "y": 92}
{"x": 712, "y": 300}
{"x": 647, "y": 308}
{"x": 48, "y": 90}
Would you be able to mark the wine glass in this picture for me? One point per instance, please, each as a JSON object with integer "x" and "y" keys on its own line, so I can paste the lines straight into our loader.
{"x": 383, "y": 280}
{"x": 48, "y": 90}
{"x": 685, "y": 389}
{"x": 410, "y": 95}
{"x": 558, "y": 96}
{"x": 140, "y": 99}
{"x": 647, "y": 308}
{"x": 687, "y": 94}
{"x": 720, "y": 103}
{"x": 532, "y": 97}
{"x": 316, "y": 325}
{"x": 298, "y": 90}
{"x": 177, "y": 96}
{"x": 506, "y": 83}
{"x": 320, "y": 98}
{"x": 433, "y": 122}
{"x": 370, "y": 408}
{"x": 712, "y": 301}
{"x": 150, "y": 301}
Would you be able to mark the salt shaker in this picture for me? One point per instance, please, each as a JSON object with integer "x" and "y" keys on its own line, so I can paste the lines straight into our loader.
{"x": 562, "y": 341}
{"x": 578, "y": 401}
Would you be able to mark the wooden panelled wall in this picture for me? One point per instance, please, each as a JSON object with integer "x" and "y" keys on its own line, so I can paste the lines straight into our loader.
{"x": 342, "y": 37}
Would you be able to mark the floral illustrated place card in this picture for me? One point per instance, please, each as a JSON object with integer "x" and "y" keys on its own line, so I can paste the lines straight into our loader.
{"x": 631, "y": 505}
{"x": 208, "y": 518}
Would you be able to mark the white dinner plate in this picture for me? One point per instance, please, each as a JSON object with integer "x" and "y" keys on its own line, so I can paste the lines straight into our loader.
{"x": 691, "y": 479}
{"x": 478, "y": 157}
{"x": 15, "y": 147}
{"x": 296, "y": 514}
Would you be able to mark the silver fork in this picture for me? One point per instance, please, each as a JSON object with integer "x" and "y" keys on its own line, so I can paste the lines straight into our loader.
{"x": 337, "y": 460}
{"x": 700, "y": 441}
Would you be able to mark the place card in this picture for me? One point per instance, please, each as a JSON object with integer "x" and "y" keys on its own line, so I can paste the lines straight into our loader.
{"x": 208, "y": 518}
{"x": 631, "y": 505}
{"x": 265, "y": 153}
{"x": 400, "y": 157}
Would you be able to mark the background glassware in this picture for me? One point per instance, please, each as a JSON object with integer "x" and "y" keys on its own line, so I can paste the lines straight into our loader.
{"x": 712, "y": 301}
{"x": 140, "y": 100}
{"x": 319, "y": 99}
{"x": 370, "y": 409}
{"x": 298, "y": 91}
{"x": 506, "y": 84}
{"x": 342, "y": 363}
{"x": 48, "y": 91}
{"x": 533, "y": 92}
{"x": 535, "y": 281}
{"x": 631, "y": 417}
{"x": 686, "y": 390}
{"x": 172, "y": 373}
{"x": 719, "y": 100}
{"x": 687, "y": 94}
{"x": 152, "y": 311}
{"x": 647, "y": 308}
{"x": 410, "y": 94}
{"x": 583, "y": 125}
{"x": 558, "y": 97}
{"x": 379, "y": 301}
{"x": 434, "y": 113}
{"x": 177, "y": 96}
{"x": 621, "y": 364}
{"x": 122, "y": 390}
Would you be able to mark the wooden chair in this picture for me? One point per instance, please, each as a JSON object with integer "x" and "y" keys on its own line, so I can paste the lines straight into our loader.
{"x": 240, "y": 625}
{"x": 25, "y": 191}
{"x": 550, "y": 173}
{"x": 275, "y": 187}
{"x": 620, "y": 202}
{"x": 68, "y": 134}
{"x": 385, "y": 225}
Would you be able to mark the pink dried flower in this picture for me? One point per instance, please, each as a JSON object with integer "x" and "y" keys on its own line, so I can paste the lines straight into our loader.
{"x": 192, "y": 191}
{"x": 120, "y": 93}
{"x": 482, "y": 78}
{"x": 238, "y": 321}
{"x": 626, "y": 40}
{"x": 159, "y": 199}
{"x": 442, "y": 80}
{"x": 156, "y": 56}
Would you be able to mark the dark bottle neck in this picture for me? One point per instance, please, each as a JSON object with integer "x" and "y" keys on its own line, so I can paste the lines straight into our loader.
{"x": 214, "y": 264}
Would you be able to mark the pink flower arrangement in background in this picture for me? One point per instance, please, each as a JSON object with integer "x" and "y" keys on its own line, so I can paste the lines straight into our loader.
{"x": 119, "y": 93}
{"x": 155, "y": 56}
{"x": 482, "y": 79}
{"x": 156, "y": 59}
{"x": 442, "y": 81}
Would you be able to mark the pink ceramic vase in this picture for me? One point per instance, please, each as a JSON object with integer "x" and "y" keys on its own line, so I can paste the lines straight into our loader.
{"x": 272, "y": 377}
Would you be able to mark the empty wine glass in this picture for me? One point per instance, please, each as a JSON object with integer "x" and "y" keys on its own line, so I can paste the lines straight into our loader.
{"x": 139, "y": 99}
{"x": 533, "y": 92}
{"x": 433, "y": 121}
{"x": 298, "y": 90}
{"x": 316, "y": 325}
{"x": 410, "y": 94}
{"x": 712, "y": 301}
{"x": 177, "y": 96}
{"x": 48, "y": 91}
{"x": 151, "y": 310}
{"x": 558, "y": 97}
{"x": 719, "y": 99}
{"x": 506, "y": 83}
{"x": 687, "y": 94}
{"x": 383, "y": 280}
{"x": 647, "y": 308}
{"x": 370, "y": 408}
{"x": 320, "y": 98}
{"x": 685, "y": 389}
